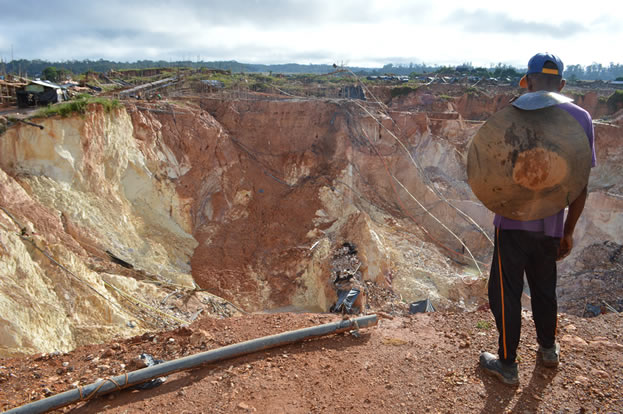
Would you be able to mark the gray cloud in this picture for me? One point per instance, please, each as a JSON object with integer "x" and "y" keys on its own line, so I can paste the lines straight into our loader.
{"x": 121, "y": 29}
{"x": 255, "y": 30}
{"x": 163, "y": 13}
{"x": 482, "y": 21}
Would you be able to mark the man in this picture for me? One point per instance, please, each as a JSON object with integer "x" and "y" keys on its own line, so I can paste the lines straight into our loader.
{"x": 534, "y": 247}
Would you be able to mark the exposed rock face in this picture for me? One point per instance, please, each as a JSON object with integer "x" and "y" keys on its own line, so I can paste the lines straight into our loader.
{"x": 320, "y": 173}
{"x": 249, "y": 199}
{"x": 591, "y": 102}
{"x": 480, "y": 106}
{"x": 82, "y": 187}
{"x": 436, "y": 139}
{"x": 93, "y": 172}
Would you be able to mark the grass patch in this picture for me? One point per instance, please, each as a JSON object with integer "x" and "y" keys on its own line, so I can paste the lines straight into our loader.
{"x": 615, "y": 101}
{"x": 402, "y": 91}
{"x": 297, "y": 84}
{"x": 484, "y": 325}
{"x": 109, "y": 87}
{"x": 228, "y": 80}
{"x": 77, "y": 106}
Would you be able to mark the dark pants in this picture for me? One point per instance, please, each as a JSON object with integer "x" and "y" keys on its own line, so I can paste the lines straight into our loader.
{"x": 517, "y": 251}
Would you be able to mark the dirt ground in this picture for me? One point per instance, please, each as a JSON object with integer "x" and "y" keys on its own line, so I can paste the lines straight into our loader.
{"x": 415, "y": 363}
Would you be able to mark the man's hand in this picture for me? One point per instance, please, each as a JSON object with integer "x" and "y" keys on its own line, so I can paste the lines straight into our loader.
{"x": 566, "y": 244}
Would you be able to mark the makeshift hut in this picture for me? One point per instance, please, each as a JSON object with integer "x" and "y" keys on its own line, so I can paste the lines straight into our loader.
{"x": 40, "y": 93}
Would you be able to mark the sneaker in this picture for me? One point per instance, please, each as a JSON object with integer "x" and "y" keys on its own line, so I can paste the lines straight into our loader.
{"x": 550, "y": 356}
{"x": 508, "y": 374}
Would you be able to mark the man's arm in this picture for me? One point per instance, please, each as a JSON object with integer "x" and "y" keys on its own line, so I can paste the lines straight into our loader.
{"x": 575, "y": 210}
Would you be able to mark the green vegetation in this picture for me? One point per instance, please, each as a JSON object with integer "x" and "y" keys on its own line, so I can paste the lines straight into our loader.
{"x": 139, "y": 80}
{"x": 50, "y": 73}
{"x": 6, "y": 122}
{"x": 53, "y": 74}
{"x": 504, "y": 71}
{"x": 446, "y": 70}
{"x": 77, "y": 106}
{"x": 228, "y": 80}
{"x": 294, "y": 84}
{"x": 36, "y": 67}
{"x": 446, "y": 97}
{"x": 615, "y": 101}
{"x": 483, "y": 325}
{"x": 466, "y": 69}
{"x": 402, "y": 91}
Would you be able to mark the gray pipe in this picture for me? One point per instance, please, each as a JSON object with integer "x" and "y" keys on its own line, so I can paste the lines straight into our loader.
{"x": 106, "y": 386}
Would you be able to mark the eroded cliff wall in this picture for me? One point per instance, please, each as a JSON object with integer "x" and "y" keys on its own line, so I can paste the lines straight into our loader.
{"x": 249, "y": 200}
{"x": 78, "y": 197}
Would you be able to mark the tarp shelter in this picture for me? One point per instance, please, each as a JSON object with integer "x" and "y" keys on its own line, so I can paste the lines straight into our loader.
{"x": 212, "y": 82}
{"x": 40, "y": 93}
{"x": 422, "y": 306}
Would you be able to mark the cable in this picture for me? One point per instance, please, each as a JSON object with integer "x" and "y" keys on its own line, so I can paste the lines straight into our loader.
{"x": 415, "y": 163}
{"x": 359, "y": 196}
{"x": 130, "y": 297}
{"x": 422, "y": 206}
{"x": 254, "y": 154}
{"x": 421, "y": 171}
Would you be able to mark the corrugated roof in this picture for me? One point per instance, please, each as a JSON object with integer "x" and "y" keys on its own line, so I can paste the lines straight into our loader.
{"x": 47, "y": 84}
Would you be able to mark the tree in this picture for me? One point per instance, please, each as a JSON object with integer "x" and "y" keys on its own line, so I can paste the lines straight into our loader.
{"x": 50, "y": 73}
{"x": 63, "y": 74}
{"x": 445, "y": 70}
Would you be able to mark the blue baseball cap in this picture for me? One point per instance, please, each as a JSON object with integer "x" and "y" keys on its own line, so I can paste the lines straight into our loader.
{"x": 536, "y": 63}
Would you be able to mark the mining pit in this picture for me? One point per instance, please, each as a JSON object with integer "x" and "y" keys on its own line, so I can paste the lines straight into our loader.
{"x": 218, "y": 205}
{"x": 158, "y": 214}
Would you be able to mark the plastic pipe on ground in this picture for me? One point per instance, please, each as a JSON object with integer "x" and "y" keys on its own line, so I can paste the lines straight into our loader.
{"x": 140, "y": 376}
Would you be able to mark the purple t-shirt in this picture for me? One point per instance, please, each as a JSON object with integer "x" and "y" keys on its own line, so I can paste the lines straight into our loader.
{"x": 553, "y": 225}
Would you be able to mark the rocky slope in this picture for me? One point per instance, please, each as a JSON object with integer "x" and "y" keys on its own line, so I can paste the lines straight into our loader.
{"x": 91, "y": 223}
{"x": 170, "y": 204}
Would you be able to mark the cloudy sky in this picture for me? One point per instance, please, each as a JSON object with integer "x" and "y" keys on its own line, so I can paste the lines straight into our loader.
{"x": 353, "y": 32}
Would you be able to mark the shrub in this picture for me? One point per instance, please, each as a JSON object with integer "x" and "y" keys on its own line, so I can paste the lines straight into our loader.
{"x": 483, "y": 325}
{"x": 50, "y": 73}
{"x": 77, "y": 106}
{"x": 615, "y": 101}
{"x": 401, "y": 91}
